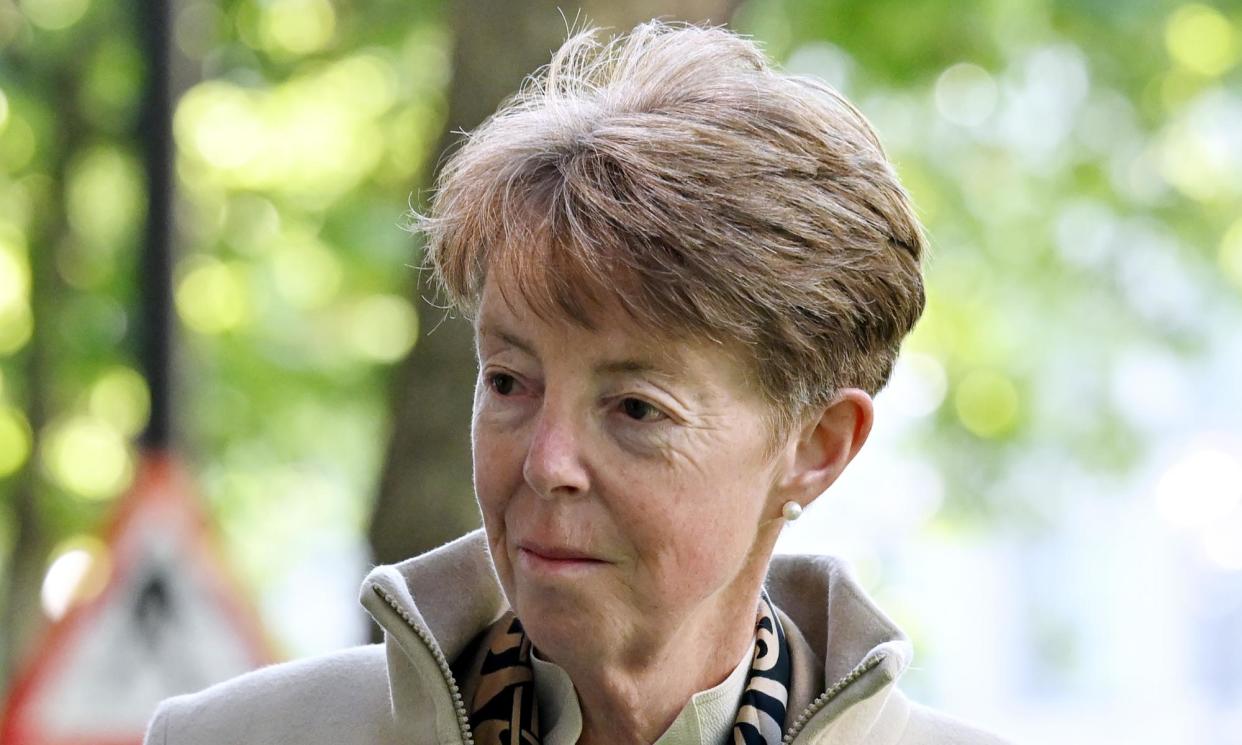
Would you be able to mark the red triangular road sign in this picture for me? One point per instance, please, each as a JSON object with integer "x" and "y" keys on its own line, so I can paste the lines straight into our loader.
{"x": 168, "y": 621}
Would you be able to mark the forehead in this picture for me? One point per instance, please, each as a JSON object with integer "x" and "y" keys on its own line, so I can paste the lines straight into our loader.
{"x": 507, "y": 314}
{"x": 612, "y": 342}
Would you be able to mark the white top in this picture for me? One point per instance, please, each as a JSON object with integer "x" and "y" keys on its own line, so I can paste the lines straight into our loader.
{"x": 707, "y": 719}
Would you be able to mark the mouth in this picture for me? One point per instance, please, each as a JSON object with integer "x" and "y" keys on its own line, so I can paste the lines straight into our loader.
{"x": 543, "y": 559}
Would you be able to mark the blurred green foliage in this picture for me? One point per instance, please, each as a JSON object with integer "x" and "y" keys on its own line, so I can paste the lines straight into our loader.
{"x": 1078, "y": 166}
{"x": 303, "y": 128}
{"x": 1079, "y": 169}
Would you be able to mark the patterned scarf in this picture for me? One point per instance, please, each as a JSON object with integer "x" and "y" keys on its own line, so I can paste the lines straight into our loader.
{"x": 498, "y": 685}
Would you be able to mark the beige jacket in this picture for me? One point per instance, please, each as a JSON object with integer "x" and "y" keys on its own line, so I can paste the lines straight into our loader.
{"x": 847, "y": 657}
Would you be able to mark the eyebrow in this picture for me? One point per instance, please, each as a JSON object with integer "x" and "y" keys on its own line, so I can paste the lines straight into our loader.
{"x": 631, "y": 366}
{"x": 506, "y": 337}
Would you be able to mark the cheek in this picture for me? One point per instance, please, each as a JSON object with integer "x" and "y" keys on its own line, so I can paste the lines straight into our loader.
{"x": 497, "y": 477}
{"x": 493, "y": 487}
{"x": 696, "y": 538}
{"x": 497, "y": 460}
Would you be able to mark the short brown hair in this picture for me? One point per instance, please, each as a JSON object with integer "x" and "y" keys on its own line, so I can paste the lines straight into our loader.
{"x": 674, "y": 171}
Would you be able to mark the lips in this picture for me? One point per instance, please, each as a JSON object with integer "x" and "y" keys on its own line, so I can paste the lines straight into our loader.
{"x": 552, "y": 561}
{"x": 554, "y": 553}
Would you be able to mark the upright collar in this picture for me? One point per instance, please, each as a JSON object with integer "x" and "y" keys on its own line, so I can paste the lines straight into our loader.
{"x": 433, "y": 605}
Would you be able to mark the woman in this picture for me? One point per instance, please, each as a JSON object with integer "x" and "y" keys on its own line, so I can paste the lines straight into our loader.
{"x": 688, "y": 275}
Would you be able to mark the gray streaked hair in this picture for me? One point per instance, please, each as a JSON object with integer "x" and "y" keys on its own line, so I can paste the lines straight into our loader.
{"x": 673, "y": 171}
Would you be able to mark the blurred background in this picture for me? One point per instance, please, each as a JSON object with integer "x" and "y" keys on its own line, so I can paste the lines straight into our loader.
{"x": 1051, "y": 503}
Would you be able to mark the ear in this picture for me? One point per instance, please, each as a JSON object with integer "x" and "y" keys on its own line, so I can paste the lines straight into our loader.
{"x": 826, "y": 444}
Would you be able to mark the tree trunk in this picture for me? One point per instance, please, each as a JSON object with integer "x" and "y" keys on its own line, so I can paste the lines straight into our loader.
{"x": 425, "y": 495}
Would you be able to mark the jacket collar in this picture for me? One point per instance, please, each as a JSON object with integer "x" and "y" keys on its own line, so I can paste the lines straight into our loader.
{"x": 431, "y": 607}
{"x": 840, "y": 623}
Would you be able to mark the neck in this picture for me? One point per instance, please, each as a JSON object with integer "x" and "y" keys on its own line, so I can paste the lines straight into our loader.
{"x": 637, "y": 699}
{"x": 633, "y": 691}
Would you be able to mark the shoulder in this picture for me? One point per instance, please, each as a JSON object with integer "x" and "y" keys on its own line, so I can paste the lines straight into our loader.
{"x": 336, "y": 698}
{"x": 926, "y": 726}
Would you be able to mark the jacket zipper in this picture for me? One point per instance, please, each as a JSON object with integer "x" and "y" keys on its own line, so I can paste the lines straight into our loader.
{"x": 463, "y": 719}
{"x": 822, "y": 700}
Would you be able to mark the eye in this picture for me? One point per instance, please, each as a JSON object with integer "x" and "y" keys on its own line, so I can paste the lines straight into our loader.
{"x": 641, "y": 411}
{"x": 502, "y": 383}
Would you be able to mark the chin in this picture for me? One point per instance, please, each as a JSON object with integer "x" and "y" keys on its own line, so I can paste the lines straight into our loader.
{"x": 560, "y": 621}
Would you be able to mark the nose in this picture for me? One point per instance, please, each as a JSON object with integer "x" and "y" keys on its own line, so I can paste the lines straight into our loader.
{"x": 554, "y": 462}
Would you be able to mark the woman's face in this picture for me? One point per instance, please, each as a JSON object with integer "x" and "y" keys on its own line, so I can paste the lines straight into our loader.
{"x": 627, "y": 482}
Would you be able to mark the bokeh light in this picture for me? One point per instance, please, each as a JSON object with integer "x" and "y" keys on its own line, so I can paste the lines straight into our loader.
{"x": 306, "y": 273}
{"x": 918, "y": 384}
{"x": 105, "y": 200}
{"x": 86, "y": 456}
{"x": 1231, "y": 253}
{"x": 365, "y": 83}
{"x": 17, "y": 143}
{"x": 62, "y": 579}
{"x": 966, "y": 94}
{"x": 1201, "y": 148}
{"x": 120, "y": 398}
{"x": 252, "y": 224}
{"x": 54, "y": 15}
{"x": 78, "y": 572}
{"x": 1221, "y": 541}
{"x": 987, "y": 403}
{"x": 16, "y": 323}
{"x": 211, "y": 295}
{"x": 382, "y": 328}
{"x": 215, "y": 122}
{"x": 14, "y": 440}
{"x": 16, "y": 328}
{"x": 315, "y": 137}
{"x": 1199, "y": 496}
{"x": 14, "y": 278}
{"x": 197, "y": 28}
{"x": 297, "y": 27}
{"x": 1202, "y": 40}
{"x": 823, "y": 60}
{"x": 1200, "y": 489}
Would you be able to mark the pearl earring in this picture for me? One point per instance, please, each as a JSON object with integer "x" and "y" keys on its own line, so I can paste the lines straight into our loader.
{"x": 791, "y": 510}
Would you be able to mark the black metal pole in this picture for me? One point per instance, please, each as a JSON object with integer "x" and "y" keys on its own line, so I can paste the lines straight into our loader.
{"x": 154, "y": 318}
